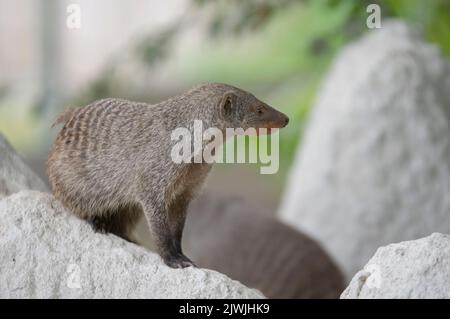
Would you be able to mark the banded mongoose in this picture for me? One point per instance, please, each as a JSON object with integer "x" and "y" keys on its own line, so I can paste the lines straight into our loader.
{"x": 112, "y": 160}
{"x": 245, "y": 242}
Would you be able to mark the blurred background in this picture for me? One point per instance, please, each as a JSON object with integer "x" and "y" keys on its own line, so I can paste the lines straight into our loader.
{"x": 148, "y": 50}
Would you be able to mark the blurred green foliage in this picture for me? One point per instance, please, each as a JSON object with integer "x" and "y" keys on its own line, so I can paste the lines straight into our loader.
{"x": 16, "y": 123}
{"x": 285, "y": 54}
{"x": 432, "y": 17}
{"x": 280, "y": 50}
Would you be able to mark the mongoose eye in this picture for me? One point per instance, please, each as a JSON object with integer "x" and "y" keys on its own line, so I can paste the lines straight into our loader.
{"x": 228, "y": 106}
{"x": 260, "y": 112}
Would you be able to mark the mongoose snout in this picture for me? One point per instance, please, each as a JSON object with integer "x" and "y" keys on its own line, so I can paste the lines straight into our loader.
{"x": 111, "y": 162}
{"x": 275, "y": 120}
{"x": 262, "y": 116}
{"x": 271, "y": 118}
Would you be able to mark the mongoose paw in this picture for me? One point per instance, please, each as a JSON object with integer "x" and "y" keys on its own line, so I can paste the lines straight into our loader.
{"x": 188, "y": 261}
{"x": 98, "y": 225}
{"x": 179, "y": 261}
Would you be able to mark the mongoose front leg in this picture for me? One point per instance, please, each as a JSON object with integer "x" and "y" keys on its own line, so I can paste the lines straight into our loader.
{"x": 177, "y": 218}
{"x": 158, "y": 220}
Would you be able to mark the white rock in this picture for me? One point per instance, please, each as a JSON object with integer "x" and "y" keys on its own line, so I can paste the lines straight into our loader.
{"x": 48, "y": 253}
{"x": 15, "y": 175}
{"x": 411, "y": 269}
{"x": 374, "y": 167}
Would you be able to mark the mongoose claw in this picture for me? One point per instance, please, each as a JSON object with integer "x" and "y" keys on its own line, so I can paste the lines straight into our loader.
{"x": 188, "y": 261}
{"x": 179, "y": 261}
{"x": 98, "y": 225}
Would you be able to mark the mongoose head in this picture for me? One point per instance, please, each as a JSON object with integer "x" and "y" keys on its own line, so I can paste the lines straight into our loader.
{"x": 235, "y": 108}
{"x": 241, "y": 109}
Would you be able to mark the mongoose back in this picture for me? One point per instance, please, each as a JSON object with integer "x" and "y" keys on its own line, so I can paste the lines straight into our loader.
{"x": 112, "y": 160}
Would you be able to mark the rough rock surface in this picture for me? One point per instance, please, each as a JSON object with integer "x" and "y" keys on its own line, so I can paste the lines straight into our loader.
{"x": 49, "y": 253}
{"x": 227, "y": 234}
{"x": 15, "y": 175}
{"x": 411, "y": 269}
{"x": 374, "y": 167}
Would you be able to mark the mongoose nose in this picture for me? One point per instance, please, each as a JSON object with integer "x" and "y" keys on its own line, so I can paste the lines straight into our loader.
{"x": 286, "y": 120}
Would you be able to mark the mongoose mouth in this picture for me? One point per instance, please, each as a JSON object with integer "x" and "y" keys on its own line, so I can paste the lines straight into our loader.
{"x": 273, "y": 126}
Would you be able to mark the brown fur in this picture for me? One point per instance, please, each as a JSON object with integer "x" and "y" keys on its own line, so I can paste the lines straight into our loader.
{"x": 247, "y": 244}
{"x": 111, "y": 161}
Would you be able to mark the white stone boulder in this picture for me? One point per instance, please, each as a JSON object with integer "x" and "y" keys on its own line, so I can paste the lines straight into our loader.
{"x": 374, "y": 166}
{"x": 15, "y": 175}
{"x": 45, "y": 252}
{"x": 411, "y": 269}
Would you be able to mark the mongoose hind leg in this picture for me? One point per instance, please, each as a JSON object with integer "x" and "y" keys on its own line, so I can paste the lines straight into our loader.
{"x": 119, "y": 222}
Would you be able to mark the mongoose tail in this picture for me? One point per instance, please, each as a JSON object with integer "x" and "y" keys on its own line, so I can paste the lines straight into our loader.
{"x": 64, "y": 117}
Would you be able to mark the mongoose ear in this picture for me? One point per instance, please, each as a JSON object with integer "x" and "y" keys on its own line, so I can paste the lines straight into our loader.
{"x": 228, "y": 105}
